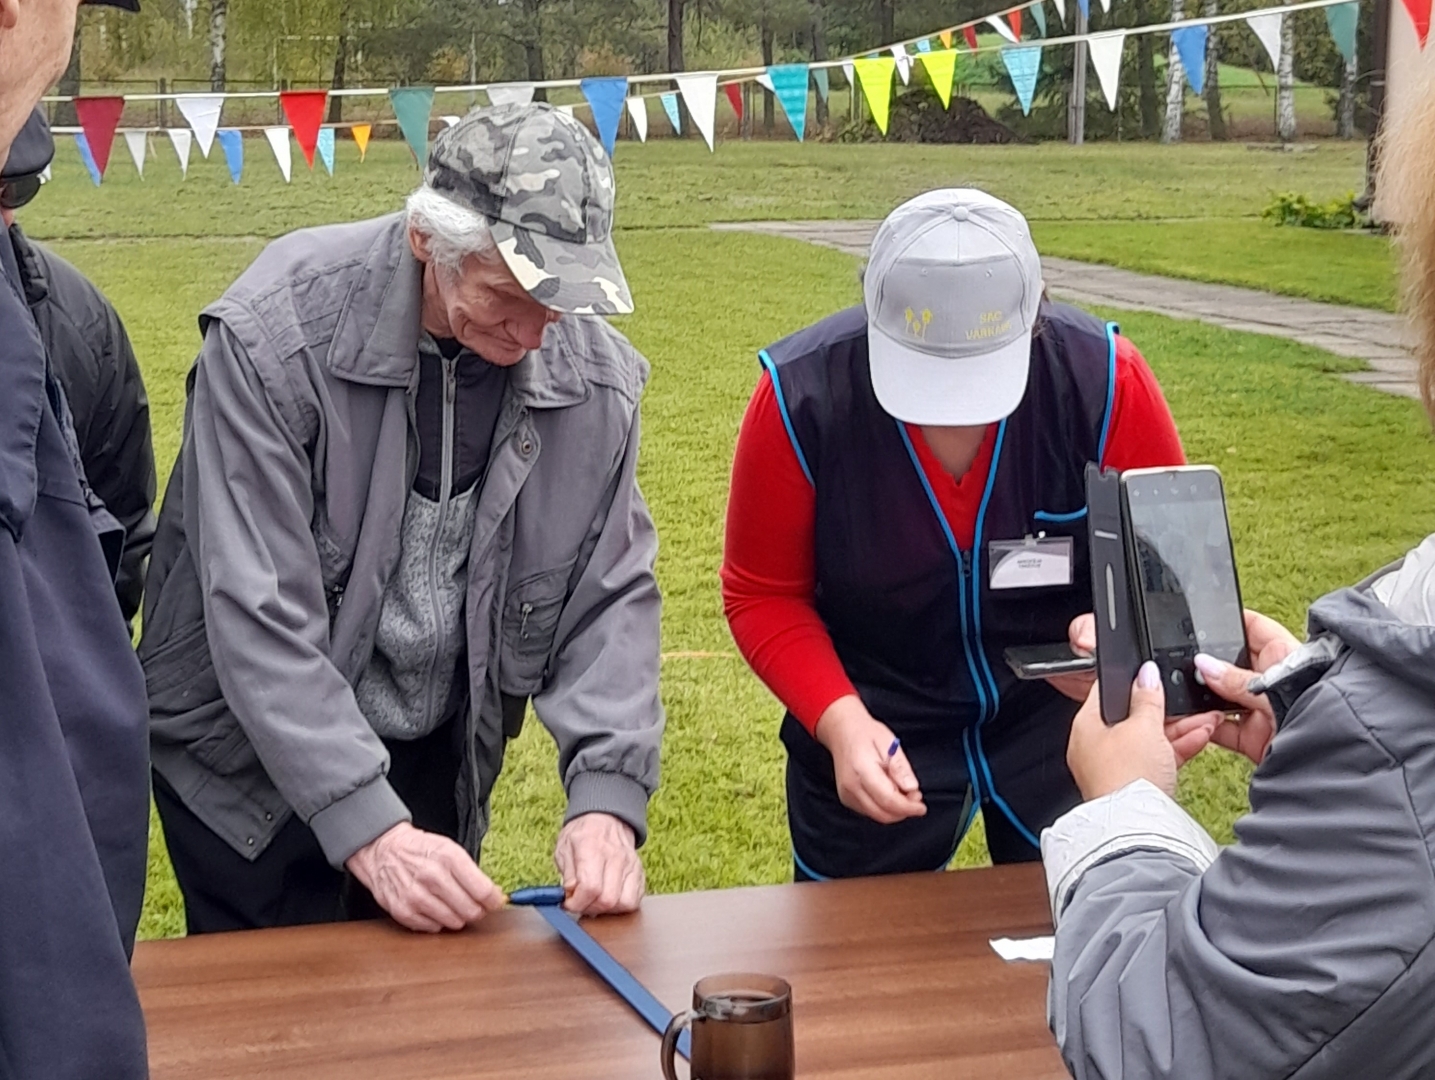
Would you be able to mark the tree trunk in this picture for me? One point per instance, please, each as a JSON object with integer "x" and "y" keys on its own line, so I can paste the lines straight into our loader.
{"x": 1345, "y": 113}
{"x": 886, "y": 21}
{"x": 1285, "y": 84}
{"x": 70, "y": 82}
{"x": 676, "y": 62}
{"x": 1215, "y": 118}
{"x": 819, "y": 52}
{"x": 218, "y": 36}
{"x": 533, "y": 46}
{"x": 767, "y": 116}
{"x": 1146, "y": 80}
{"x": 1175, "y": 82}
{"x": 341, "y": 61}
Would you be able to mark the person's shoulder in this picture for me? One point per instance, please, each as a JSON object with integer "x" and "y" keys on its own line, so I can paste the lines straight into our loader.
{"x": 602, "y": 354}
{"x": 332, "y": 254}
{"x": 71, "y": 291}
{"x": 839, "y": 330}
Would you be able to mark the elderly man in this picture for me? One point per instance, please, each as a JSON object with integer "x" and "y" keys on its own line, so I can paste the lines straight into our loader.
{"x": 405, "y": 505}
{"x": 74, "y": 806}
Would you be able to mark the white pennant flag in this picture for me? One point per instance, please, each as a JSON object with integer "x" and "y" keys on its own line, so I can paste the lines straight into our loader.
{"x": 183, "y": 139}
{"x": 449, "y": 121}
{"x": 999, "y": 24}
{"x": 1106, "y": 59}
{"x": 201, "y": 111}
{"x": 568, "y": 109}
{"x": 765, "y": 81}
{"x": 1268, "y": 29}
{"x": 511, "y": 94}
{"x": 1106, "y": 6}
{"x": 1061, "y": 10}
{"x": 904, "y": 63}
{"x": 700, "y": 93}
{"x": 638, "y": 111}
{"x": 138, "y": 142}
{"x": 279, "y": 142}
{"x": 850, "y": 72}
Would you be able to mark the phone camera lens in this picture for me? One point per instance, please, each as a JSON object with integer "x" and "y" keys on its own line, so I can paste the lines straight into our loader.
{"x": 1177, "y": 678}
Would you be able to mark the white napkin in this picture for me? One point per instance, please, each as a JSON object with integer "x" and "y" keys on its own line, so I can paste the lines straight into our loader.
{"x": 1035, "y": 948}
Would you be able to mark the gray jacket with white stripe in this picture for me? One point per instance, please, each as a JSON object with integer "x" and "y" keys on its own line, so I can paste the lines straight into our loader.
{"x": 281, "y": 528}
{"x": 1306, "y": 949}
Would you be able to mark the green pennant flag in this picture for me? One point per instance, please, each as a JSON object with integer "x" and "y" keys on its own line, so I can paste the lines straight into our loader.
{"x": 1038, "y": 13}
{"x": 412, "y": 105}
{"x": 941, "y": 68}
{"x": 875, "y": 75}
{"x": 1342, "y": 19}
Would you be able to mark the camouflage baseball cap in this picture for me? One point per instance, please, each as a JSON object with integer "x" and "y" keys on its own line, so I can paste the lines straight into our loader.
{"x": 546, "y": 187}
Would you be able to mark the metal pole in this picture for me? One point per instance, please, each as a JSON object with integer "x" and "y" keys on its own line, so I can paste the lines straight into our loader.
{"x": 1076, "y": 103}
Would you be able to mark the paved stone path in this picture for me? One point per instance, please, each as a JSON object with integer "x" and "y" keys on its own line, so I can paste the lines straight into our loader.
{"x": 1376, "y": 337}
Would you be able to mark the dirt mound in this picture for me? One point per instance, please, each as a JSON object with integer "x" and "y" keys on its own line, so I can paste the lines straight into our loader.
{"x": 920, "y": 118}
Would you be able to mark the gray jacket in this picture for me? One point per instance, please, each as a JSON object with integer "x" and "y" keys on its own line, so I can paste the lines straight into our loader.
{"x": 281, "y": 527}
{"x": 1305, "y": 949}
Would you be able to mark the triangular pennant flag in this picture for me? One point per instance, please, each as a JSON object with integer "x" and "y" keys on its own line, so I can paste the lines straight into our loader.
{"x": 969, "y": 35}
{"x": 605, "y": 94}
{"x": 734, "y": 97}
{"x": 1342, "y": 20}
{"x": 518, "y": 93}
{"x": 232, "y": 143}
{"x": 1061, "y": 10}
{"x": 904, "y": 62}
{"x": 765, "y": 81}
{"x": 412, "y": 105}
{"x": 823, "y": 84}
{"x": 1419, "y": 12}
{"x": 1106, "y": 6}
{"x": 99, "y": 116}
{"x": 1085, "y": 7}
{"x": 182, "y": 139}
{"x": 1268, "y": 29}
{"x": 789, "y": 83}
{"x": 996, "y": 23}
{"x": 304, "y": 109}
{"x": 138, "y": 142}
{"x": 946, "y": 39}
{"x": 638, "y": 112}
{"x": 450, "y": 120}
{"x": 1038, "y": 15}
{"x": 361, "y": 133}
{"x": 924, "y": 46}
{"x": 83, "y": 144}
{"x": 1190, "y": 42}
{"x": 566, "y": 110}
{"x": 201, "y": 112}
{"x": 1105, "y": 52}
{"x": 875, "y": 74}
{"x": 941, "y": 69}
{"x": 850, "y": 72}
{"x": 700, "y": 92}
{"x": 1015, "y": 18}
{"x": 1023, "y": 65}
{"x": 46, "y": 174}
{"x": 670, "y": 106}
{"x": 279, "y": 142}
{"x": 326, "y": 148}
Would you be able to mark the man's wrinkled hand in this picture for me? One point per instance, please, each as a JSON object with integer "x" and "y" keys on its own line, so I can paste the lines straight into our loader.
{"x": 424, "y": 880}
{"x": 877, "y": 785}
{"x": 597, "y": 857}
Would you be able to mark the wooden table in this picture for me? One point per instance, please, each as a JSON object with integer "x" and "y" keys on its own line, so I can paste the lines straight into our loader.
{"x": 892, "y": 977}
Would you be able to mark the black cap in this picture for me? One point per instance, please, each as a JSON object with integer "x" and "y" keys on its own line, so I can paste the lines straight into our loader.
{"x": 124, "y": 5}
{"x": 32, "y": 151}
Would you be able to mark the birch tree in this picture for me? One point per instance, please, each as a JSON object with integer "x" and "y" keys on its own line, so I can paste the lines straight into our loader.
{"x": 1285, "y": 83}
{"x": 1215, "y": 118}
{"x": 218, "y": 39}
{"x": 1175, "y": 81}
{"x": 1345, "y": 107}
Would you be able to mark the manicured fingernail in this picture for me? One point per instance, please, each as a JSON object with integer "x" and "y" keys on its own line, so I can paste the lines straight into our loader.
{"x": 1149, "y": 677}
{"x": 1211, "y": 669}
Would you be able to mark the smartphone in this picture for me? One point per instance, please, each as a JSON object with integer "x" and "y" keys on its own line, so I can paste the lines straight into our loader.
{"x": 1043, "y": 661}
{"x": 1118, "y": 644}
{"x": 1182, "y": 569}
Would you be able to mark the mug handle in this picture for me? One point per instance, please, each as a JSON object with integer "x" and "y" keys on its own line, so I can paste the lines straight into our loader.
{"x": 670, "y": 1042}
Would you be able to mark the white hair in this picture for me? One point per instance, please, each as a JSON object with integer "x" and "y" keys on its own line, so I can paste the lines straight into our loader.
{"x": 453, "y": 232}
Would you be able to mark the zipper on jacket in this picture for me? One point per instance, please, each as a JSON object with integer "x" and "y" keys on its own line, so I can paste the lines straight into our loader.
{"x": 525, "y": 610}
{"x": 450, "y": 396}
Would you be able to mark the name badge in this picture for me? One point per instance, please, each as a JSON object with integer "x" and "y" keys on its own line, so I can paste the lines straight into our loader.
{"x": 1032, "y": 563}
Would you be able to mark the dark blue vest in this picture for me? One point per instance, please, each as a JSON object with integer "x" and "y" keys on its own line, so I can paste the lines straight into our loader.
{"x": 918, "y": 630}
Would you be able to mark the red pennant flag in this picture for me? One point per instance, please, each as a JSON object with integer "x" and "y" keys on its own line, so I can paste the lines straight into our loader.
{"x": 99, "y": 116}
{"x": 970, "y": 33}
{"x": 734, "y": 95}
{"x": 305, "y": 111}
{"x": 1420, "y": 15}
{"x": 1015, "y": 19}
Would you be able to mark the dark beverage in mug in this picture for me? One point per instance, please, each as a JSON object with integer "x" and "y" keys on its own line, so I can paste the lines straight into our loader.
{"x": 741, "y": 1030}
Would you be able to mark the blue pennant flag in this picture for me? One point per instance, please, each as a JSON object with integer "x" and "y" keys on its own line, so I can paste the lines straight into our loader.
{"x": 1038, "y": 13}
{"x": 232, "y": 143}
{"x": 1190, "y": 42}
{"x": 1342, "y": 20}
{"x": 670, "y": 106}
{"x": 605, "y": 94}
{"x": 789, "y": 83}
{"x": 88, "y": 157}
{"x": 1023, "y": 65}
{"x": 326, "y": 148}
{"x": 924, "y": 45}
{"x": 1085, "y": 6}
{"x": 824, "y": 87}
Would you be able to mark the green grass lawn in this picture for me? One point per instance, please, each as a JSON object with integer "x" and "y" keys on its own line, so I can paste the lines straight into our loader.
{"x": 1326, "y": 479}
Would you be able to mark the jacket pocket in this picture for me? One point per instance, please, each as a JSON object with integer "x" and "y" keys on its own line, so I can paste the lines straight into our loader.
{"x": 530, "y": 620}
{"x": 187, "y": 707}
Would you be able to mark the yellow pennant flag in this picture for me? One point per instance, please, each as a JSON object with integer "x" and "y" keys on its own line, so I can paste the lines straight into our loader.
{"x": 941, "y": 68}
{"x": 875, "y": 75}
{"x": 361, "y": 133}
{"x": 946, "y": 36}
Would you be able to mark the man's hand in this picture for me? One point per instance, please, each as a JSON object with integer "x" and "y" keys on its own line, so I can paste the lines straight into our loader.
{"x": 1251, "y": 735}
{"x": 424, "y": 880}
{"x": 868, "y": 781}
{"x": 597, "y": 856}
{"x": 1082, "y": 636}
{"x": 1142, "y": 747}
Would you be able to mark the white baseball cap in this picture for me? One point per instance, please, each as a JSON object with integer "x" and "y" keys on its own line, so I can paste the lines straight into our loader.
{"x": 952, "y": 287}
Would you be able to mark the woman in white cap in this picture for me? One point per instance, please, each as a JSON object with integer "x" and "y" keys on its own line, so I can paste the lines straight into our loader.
{"x": 889, "y": 457}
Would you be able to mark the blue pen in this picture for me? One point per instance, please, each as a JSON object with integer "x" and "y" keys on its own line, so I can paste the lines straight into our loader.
{"x": 892, "y": 750}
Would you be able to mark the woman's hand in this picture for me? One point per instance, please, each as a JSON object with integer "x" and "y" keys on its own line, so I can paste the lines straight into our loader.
{"x": 869, "y": 781}
{"x": 1251, "y": 735}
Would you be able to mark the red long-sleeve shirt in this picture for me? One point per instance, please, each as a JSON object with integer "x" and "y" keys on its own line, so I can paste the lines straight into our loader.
{"x": 768, "y": 571}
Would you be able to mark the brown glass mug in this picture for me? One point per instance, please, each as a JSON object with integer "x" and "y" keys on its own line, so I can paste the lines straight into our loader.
{"x": 742, "y": 1029}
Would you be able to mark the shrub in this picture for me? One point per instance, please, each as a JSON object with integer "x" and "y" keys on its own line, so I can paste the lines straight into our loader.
{"x": 1291, "y": 208}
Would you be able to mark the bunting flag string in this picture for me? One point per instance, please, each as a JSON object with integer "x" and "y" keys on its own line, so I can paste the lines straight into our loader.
{"x": 996, "y": 23}
{"x": 1023, "y": 64}
{"x": 942, "y": 70}
{"x": 850, "y": 72}
{"x": 412, "y": 106}
{"x": 361, "y": 133}
{"x": 201, "y": 113}
{"x": 638, "y": 113}
{"x": 88, "y": 158}
{"x": 326, "y": 148}
{"x": 1038, "y": 16}
{"x": 1015, "y": 19}
{"x": 511, "y": 94}
{"x": 904, "y": 63}
{"x": 1105, "y": 52}
{"x": 1268, "y": 28}
{"x": 1341, "y": 20}
{"x": 875, "y": 75}
{"x": 1190, "y": 42}
{"x": 924, "y": 46}
{"x": 699, "y": 92}
{"x": 605, "y": 94}
{"x": 181, "y": 139}
{"x": 138, "y": 143}
{"x": 734, "y": 98}
{"x": 820, "y": 80}
{"x": 1419, "y": 12}
{"x": 789, "y": 83}
{"x": 279, "y": 142}
{"x": 304, "y": 109}
{"x": 232, "y": 143}
{"x": 670, "y": 106}
{"x": 945, "y": 37}
{"x": 1061, "y": 10}
{"x": 99, "y": 117}
{"x": 969, "y": 34}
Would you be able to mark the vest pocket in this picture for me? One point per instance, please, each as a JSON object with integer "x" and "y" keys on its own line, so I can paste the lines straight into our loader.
{"x": 530, "y": 620}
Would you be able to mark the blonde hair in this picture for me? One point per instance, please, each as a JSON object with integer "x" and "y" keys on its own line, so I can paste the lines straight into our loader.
{"x": 1407, "y": 192}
